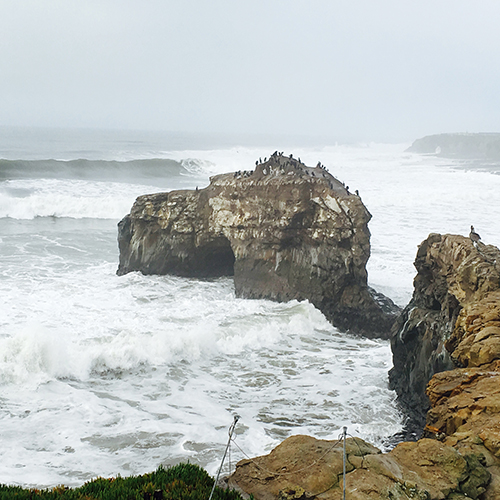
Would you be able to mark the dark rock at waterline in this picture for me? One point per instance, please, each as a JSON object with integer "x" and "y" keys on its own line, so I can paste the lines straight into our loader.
{"x": 285, "y": 231}
{"x": 459, "y": 146}
{"x": 452, "y": 274}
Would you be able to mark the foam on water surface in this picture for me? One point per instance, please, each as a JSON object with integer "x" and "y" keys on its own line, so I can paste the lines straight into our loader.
{"x": 101, "y": 375}
{"x": 145, "y": 370}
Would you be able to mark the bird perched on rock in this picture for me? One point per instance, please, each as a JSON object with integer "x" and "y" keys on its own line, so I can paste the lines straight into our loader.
{"x": 475, "y": 238}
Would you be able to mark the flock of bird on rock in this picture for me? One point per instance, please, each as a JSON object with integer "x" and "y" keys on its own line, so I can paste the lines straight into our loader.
{"x": 278, "y": 164}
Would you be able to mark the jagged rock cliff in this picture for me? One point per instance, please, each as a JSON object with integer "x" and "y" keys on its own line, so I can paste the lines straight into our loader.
{"x": 451, "y": 324}
{"x": 453, "y": 276}
{"x": 285, "y": 231}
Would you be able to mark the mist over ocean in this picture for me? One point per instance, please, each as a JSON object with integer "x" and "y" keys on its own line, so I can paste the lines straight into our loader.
{"x": 103, "y": 375}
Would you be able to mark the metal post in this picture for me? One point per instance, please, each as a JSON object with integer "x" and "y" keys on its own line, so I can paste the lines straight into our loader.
{"x": 344, "y": 437}
{"x": 231, "y": 430}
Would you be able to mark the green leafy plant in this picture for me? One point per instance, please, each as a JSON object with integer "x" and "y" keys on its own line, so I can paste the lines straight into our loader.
{"x": 180, "y": 482}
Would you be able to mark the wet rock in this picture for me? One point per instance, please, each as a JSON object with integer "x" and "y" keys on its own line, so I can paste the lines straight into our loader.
{"x": 283, "y": 233}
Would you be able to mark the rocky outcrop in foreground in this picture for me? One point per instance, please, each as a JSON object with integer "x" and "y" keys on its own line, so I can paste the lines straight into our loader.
{"x": 303, "y": 467}
{"x": 453, "y": 321}
{"x": 450, "y": 320}
{"x": 285, "y": 231}
{"x": 460, "y": 146}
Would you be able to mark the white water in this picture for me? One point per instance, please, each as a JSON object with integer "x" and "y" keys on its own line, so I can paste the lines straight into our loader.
{"x": 106, "y": 375}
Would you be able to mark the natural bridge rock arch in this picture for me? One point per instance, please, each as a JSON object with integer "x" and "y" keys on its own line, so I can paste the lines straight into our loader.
{"x": 285, "y": 231}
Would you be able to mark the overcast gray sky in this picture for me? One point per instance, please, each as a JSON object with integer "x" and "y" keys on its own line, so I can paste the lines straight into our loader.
{"x": 367, "y": 69}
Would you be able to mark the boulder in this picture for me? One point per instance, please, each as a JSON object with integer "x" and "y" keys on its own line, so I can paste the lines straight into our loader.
{"x": 284, "y": 231}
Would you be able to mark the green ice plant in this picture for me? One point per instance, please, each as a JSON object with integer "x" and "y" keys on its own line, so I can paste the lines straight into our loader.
{"x": 180, "y": 482}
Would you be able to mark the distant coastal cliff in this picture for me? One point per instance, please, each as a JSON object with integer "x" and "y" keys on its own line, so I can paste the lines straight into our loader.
{"x": 459, "y": 146}
{"x": 284, "y": 231}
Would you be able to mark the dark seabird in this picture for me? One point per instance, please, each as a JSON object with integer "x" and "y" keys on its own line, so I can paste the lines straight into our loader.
{"x": 474, "y": 236}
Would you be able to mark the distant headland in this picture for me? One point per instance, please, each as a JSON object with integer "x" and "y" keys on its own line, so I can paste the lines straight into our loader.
{"x": 485, "y": 146}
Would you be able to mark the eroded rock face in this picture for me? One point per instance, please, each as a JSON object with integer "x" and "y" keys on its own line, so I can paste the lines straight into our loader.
{"x": 449, "y": 337}
{"x": 303, "y": 468}
{"x": 453, "y": 320}
{"x": 285, "y": 231}
{"x": 450, "y": 320}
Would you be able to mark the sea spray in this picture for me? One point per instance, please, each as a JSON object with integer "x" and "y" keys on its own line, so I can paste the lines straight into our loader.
{"x": 106, "y": 375}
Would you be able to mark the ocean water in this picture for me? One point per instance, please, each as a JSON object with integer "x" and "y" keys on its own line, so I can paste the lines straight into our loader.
{"x": 103, "y": 375}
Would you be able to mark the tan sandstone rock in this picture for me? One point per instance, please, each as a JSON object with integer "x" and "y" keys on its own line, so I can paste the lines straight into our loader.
{"x": 305, "y": 468}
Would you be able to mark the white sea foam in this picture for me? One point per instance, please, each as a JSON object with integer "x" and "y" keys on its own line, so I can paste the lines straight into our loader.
{"x": 149, "y": 369}
{"x": 27, "y": 199}
{"x": 101, "y": 375}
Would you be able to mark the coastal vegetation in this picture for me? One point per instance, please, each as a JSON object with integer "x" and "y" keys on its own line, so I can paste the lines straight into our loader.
{"x": 182, "y": 481}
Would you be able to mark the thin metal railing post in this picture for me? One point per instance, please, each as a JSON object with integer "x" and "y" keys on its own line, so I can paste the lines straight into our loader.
{"x": 344, "y": 436}
{"x": 231, "y": 430}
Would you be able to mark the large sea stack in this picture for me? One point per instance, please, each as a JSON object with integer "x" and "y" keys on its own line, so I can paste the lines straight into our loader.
{"x": 285, "y": 231}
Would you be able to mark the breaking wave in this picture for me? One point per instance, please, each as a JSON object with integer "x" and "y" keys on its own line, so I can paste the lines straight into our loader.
{"x": 103, "y": 170}
{"x": 28, "y": 199}
{"x": 95, "y": 189}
